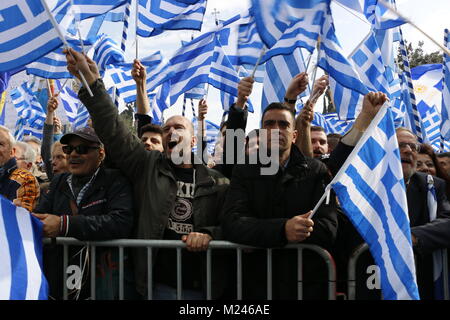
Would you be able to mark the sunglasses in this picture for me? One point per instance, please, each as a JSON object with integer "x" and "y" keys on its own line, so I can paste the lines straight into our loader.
{"x": 81, "y": 149}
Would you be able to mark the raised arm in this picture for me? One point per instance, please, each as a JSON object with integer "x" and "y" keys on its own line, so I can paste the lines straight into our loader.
{"x": 298, "y": 85}
{"x": 139, "y": 75}
{"x": 124, "y": 148}
{"x": 47, "y": 139}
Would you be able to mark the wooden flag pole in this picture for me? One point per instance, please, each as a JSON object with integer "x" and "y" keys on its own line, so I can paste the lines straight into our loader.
{"x": 263, "y": 51}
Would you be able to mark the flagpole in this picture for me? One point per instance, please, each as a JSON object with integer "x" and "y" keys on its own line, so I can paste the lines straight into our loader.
{"x": 391, "y": 8}
{"x": 66, "y": 44}
{"x": 263, "y": 51}
{"x": 63, "y": 85}
{"x": 137, "y": 22}
{"x": 77, "y": 22}
{"x": 446, "y": 34}
{"x": 352, "y": 155}
{"x": 359, "y": 44}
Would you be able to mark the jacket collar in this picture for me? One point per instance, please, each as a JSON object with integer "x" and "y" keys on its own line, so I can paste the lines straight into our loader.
{"x": 8, "y": 168}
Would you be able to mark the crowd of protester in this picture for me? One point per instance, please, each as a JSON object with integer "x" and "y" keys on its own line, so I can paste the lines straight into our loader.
{"x": 105, "y": 182}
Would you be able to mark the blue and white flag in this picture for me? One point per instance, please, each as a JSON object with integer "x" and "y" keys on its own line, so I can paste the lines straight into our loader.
{"x": 348, "y": 102}
{"x": 445, "y": 125}
{"x": 249, "y": 43}
{"x": 27, "y": 106}
{"x": 76, "y": 112}
{"x": 21, "y": 274}
{"x": 372, "y": 192}
{"x": 380, "y": 16}
{"x": 369, "y": 65}
{"x": 83, "y": 9}
{"x": 124, "y": 82}
{"x": 26, "y": 33}
{"x": 332, "y": 60}
{"x": 155, "y": 16}
{"x": 279, "y": 72}
{"x": 19, "y": 128}
{"x": 427, "y": 83}
{"x": 431, "y": 124}
{"x": 273, "y": 17}
{"x": 107, "y": 51}
{"x": 54, "y": 64}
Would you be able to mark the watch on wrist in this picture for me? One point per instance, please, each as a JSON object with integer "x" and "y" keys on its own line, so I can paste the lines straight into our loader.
{"x": 290, "y": 101}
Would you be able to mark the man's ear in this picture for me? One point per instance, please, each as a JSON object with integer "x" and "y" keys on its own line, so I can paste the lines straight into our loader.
{"x": 193, "y": 141}
{"x": 13, "y": 151}
{"x": 102, "y": 154}
{"x": 294, "y": 136}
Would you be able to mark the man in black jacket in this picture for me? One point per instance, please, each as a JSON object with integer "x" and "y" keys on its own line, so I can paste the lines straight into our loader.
{"x": 273, "y": 210}
{"x": 88, "y": 203}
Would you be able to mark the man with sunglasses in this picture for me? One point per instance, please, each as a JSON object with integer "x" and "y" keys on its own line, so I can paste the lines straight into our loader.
{"x": 426, "y": 236}
{"x": 89, "y": 202}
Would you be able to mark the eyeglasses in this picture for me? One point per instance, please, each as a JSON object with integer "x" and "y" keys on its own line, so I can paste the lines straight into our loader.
{"x": 415, "y": 147}
{"x": 81, "y": 149}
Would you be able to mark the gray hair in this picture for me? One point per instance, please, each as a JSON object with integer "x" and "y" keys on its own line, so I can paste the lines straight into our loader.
{"x": 12, "y": 141}
{"x": 29, "y": 154}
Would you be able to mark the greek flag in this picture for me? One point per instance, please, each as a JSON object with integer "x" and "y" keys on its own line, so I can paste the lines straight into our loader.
{"x": 445, "y": 126}
{"x": 380, "y": 16}
{"x": 348, "y": 102}
{"x": 54, "y": 64}
{"x": 26, "y": 33}
{"x": 273, "y": 17}
{"x": 334, "y": 62}
{"x": 107, "y": 51}
{"x": 76, "y": 112}
{"x": 249, "y": 44}
{"x": 372, "y": 192}
{"x": 331, "y": 123}
{"x": 278, "y": 74}
{"x": 155, "y": 16}
{"x": 431, "y": 123}
{"x": 27, "y": 106}
{"x": 303, "y": 33}
{"x": 21, "y": 255}
{"x": 84, "y": 9}
{"x": 124, "y": 82}
{"x": 370, "y": 66}
{"x": 19, "y": 129}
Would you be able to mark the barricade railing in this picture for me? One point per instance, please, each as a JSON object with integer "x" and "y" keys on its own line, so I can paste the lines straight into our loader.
{"x": 178, "y": 246}
{"x": 351, "y": 281}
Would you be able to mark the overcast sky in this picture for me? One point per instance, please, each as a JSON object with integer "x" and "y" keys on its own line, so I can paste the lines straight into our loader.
{"x": 431, "y": 16}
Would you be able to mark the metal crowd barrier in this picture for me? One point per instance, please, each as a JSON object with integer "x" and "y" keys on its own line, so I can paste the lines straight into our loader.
{"x": 179, "y": 245}
{"x": 363, "y": 248}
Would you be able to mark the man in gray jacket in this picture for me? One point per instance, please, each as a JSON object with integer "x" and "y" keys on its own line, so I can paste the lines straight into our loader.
{"x": 176, "y": 198}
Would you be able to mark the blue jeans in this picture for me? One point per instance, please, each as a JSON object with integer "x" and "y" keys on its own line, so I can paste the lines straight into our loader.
{"x": 165, "y": 292}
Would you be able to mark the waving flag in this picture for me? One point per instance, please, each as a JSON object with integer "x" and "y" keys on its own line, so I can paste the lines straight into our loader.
{"x": 76, "y": 112}
{"x": 121, "y": 76}
{"x": 21, "y": 273}
{"x": 26, "y": 33}
{"x": 28, "y": 107}
{"x": 54, "y": 64}
{"x": 380, "y": 16}
{"x": 334, "y": 62}
{"x": 278, "y": 74}
{"x": 212, "y": 133}
{"x": 445, "y": 126}
{"x": 249, "y": 44}
{"x": 273, "y": 17}
{"x": 158, "y": 15}
{"x": 372, "y": 192}
{"x": 107, "y": 51}
{"x": 370, "y": 66}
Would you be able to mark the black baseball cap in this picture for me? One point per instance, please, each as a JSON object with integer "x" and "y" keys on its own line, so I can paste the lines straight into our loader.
{"x": 86, "y": 133}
